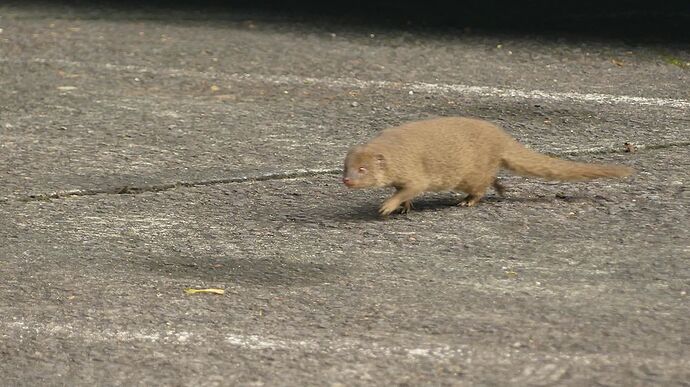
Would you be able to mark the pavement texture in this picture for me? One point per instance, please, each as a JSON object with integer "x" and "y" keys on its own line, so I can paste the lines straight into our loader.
{"x": 146, "y": 151}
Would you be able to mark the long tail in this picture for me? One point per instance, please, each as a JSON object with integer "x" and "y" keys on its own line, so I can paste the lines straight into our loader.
{"x": 526, "y": 162}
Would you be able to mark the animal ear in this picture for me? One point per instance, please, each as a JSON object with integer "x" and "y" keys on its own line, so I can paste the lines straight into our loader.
{"x": 380, "y": 158}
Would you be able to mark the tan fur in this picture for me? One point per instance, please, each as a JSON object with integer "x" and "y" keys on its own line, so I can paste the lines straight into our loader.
{"x": 453, "y": 154}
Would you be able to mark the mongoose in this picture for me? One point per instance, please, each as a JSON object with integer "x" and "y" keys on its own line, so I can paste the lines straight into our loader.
{"x": 453, "y": 154}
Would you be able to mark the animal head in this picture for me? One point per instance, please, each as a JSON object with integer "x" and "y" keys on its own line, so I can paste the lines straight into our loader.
{"x": 364, "y": 168}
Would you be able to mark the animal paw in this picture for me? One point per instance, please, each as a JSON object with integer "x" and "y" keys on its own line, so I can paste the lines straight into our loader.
{"x": 388, "y": 207}
{"x": 406, "y": 207}
{"x": 469, "y": 201}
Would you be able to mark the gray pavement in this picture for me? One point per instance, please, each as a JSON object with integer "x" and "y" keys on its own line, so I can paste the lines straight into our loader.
{"x": 142, "y": 154}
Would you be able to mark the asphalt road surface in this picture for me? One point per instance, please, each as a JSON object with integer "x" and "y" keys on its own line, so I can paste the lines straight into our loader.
{"x": 147, "y": 151}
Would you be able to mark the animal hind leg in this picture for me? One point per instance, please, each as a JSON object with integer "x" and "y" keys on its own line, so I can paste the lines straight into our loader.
{"x": 476, "y": 190}
{"x": 406, "y": 207}
{"x": 471, "y": 200}
{"x": 500, "y": 188}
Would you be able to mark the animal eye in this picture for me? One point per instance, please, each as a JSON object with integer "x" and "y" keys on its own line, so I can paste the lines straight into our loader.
{"x": 362, "y": 169}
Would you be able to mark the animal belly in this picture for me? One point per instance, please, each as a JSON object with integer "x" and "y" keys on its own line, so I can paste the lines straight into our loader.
{"x": 442, "y": 184}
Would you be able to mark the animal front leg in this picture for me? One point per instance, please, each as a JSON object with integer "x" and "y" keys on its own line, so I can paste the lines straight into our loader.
{"x": 402, "y": 196}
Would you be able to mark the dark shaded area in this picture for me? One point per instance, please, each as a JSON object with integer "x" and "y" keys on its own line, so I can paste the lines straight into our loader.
{"x": 639, "y": 20}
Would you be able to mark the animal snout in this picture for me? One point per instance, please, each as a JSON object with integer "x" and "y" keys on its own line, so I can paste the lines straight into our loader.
{"x": 347, "y": 181}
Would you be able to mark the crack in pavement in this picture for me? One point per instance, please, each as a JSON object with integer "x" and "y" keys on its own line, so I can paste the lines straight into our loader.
{"x": 617, "y": 149}
{"x": 135, "y": 190}
{"x": 283, "y": 175}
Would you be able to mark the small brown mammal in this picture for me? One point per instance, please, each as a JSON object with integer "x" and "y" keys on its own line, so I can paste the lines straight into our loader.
{"x": 453, "y": 154}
